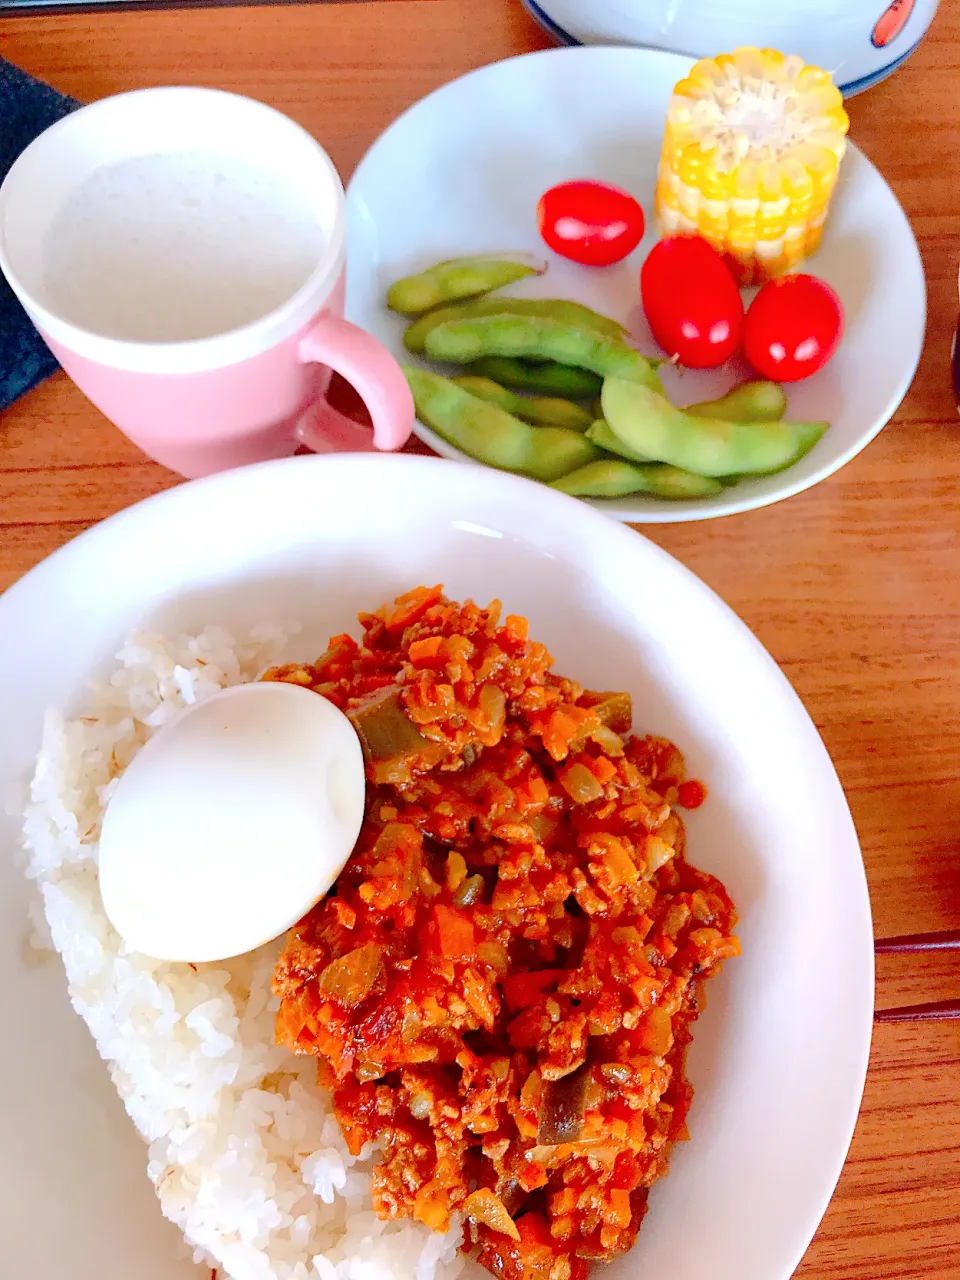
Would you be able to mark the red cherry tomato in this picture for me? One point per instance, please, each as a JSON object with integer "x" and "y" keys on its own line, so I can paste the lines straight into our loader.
{"x": 691, "y": 302}
{"x": 590, "y": 222}
{"x": 793, "y": 327}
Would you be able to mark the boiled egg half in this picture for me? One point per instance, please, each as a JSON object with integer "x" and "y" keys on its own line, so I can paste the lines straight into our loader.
{"x": 231, "y": 822}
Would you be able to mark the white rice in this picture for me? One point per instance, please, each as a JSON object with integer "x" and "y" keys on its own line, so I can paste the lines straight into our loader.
{"x": 244, "y": 1151}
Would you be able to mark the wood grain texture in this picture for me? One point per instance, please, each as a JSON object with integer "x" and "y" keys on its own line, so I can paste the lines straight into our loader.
{"x": 854, "y": 587}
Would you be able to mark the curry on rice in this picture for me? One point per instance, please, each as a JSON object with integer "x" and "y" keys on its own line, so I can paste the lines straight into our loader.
{"x": 500, "y": 988}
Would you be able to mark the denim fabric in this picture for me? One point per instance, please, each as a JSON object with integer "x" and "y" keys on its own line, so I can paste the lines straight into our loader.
{"x": 27, "y": 107}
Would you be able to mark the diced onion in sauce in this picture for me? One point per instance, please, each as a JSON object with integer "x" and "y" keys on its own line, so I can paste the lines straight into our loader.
{"x": 489, "y": 1209}
{"x": 349, "y": 979}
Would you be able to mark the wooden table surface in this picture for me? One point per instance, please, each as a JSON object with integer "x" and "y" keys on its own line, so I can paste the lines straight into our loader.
{"x": 854, "y": 586}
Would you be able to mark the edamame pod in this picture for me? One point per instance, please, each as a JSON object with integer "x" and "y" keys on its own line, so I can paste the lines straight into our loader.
{"x": 531, "y": 337}
{"x": 542, "y": 411}
{"x": 757, "y": 401}
{"x": 490, "y": 435}
{"x": 414, "y": 339}
{"x": 458, "y": 278}
{"x": 556, "y": 451}
{"x": 604, "y": 438}
{"x": 650, "y": 424}
{"x": 481, "y": 430}
{"x": 542, "y": 377}
{"x": 611, "y": 478}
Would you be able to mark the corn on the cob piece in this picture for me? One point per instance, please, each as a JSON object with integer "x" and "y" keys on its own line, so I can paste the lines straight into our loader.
{"x": 751, "y": 151}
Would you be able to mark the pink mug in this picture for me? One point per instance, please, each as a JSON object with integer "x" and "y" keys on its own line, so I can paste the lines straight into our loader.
{"x": 197, "y": 398}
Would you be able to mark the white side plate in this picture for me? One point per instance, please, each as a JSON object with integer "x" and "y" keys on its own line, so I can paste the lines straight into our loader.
{"x": 462, "y": 171}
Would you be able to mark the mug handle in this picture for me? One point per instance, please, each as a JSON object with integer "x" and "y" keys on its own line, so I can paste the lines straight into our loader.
{"x": 370, "y": 368}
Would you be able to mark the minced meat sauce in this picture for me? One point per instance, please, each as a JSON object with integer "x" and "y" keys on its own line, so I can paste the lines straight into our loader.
{"x": 500, "y": 988}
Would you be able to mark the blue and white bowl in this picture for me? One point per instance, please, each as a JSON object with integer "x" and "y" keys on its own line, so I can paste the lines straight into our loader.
{"x": 859, "y": 41}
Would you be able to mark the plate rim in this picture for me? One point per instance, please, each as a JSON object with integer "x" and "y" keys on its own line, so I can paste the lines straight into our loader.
{"x": 550, "y": 26}
{"x": 849, "y": 89}
{"x": 703, "y": 510}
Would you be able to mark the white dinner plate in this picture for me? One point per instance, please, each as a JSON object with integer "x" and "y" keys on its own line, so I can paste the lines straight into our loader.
{"x": 780, "y": 1055}
{"x": 462, "y": 171}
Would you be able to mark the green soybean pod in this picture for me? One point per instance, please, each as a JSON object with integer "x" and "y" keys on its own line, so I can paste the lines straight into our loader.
{"x": 458, "y": 278}
{"x": 415, "y": 337}
{"x": 604, "y": 438}
{"x": 757, "y": 401}
{"x": 481, "y": 430}
{"x": 532, "y": 337}
{"x": 543, "y": 377}
{"x": 650, "y": 424}
{"x": 490, "y": 391}
{"x": 487, "y": 433}
{"x": 556, "y": 451}
{"x": 612, "y": 478}
{"x": 541, "y": 411}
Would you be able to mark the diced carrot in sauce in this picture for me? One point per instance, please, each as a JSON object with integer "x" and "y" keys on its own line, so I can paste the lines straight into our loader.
{"x": 408, "y": 608}
{"x": 422, "y": 652}
{"x": 561, "y": 729}
{"x": 603, "y": 770}
{"x": 524, "y": 989}
{"x": 455, "y": 933}
{"x": 516, "y": 627}
{"x": 532, "y": 793}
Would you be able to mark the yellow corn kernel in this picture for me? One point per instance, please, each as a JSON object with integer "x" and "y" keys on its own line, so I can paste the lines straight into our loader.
{"x": 751, "y": 152}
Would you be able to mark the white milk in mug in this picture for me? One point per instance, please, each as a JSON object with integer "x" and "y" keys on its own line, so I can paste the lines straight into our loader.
{"x": 171, "y": 248}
